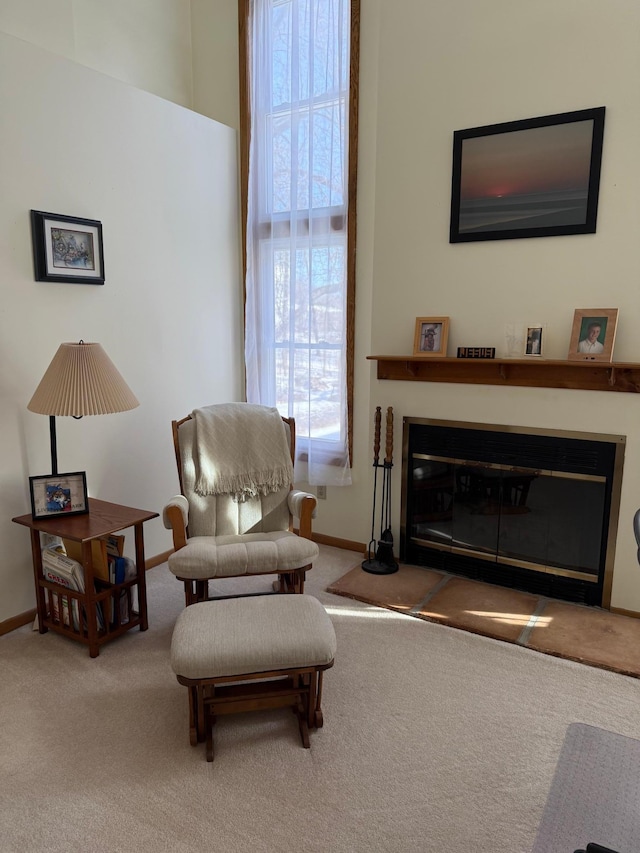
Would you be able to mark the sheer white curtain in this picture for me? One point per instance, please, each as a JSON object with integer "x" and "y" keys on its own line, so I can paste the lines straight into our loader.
{"x": 296, "y": 283}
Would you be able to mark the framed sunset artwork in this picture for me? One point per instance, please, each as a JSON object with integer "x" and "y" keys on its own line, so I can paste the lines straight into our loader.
{"x": 537, "y": 177}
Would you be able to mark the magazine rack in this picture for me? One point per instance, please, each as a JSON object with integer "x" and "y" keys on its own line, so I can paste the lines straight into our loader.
{"x": 97, "y": 609}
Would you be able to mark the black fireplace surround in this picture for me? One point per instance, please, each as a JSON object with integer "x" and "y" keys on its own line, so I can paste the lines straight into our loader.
{"x": 520, "y": 507}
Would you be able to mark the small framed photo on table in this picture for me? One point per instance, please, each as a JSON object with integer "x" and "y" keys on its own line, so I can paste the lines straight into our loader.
{"x": 593, "y": 334}
{"x": 431, "y": 336}
{"x": 58, "y": 495}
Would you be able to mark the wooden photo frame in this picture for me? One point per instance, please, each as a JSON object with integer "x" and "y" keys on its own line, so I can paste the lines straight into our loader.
{"x": 431, "y": 335}
{"x": 537, "y": 177}
{"x": 534, "y": 340}
{"x": 593, "y": 334}
{"x": 55, "y": 495}
{"x": 67, "y": 248}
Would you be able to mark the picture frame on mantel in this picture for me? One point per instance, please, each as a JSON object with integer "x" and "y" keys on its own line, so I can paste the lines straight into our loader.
{"x": 67, "y": 249}
{"x": 537, "y": 177}
{"x": 534, "y": 340}
{"x": 593, "y": 334}
{"x": 430, "y": 338}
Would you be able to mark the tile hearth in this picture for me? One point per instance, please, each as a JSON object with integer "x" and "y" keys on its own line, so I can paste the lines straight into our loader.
{"x": 588, "y": 635}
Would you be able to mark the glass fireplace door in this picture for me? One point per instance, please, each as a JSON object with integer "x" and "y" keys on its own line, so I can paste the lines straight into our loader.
{"x": 540, "y": 520}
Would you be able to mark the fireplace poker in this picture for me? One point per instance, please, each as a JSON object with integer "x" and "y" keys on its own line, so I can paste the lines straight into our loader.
{"x": 376, "y": 464}
{"x": 384, "y": 554}
{"x": 384, "y": 562}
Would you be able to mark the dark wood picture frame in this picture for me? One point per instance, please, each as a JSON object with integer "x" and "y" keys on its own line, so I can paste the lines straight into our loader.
{"x": 537, "y": 177}
{"x": 58, "y": 495}
{"x": 67, "y": 249}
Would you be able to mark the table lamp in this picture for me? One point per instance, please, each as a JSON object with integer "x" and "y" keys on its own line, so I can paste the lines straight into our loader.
{"x": 81, "y": 380}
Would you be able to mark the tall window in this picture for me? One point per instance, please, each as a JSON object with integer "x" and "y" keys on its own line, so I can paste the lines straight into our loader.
{"x": 299, "y": 59}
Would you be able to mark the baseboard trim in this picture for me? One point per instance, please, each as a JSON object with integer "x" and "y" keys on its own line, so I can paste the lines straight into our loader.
{"x": 15, "y": 622}
{"x": 622, "y": 612}
{"x": 347, "y": 544}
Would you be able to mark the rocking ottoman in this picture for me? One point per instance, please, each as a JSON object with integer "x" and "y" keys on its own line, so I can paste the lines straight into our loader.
{"x": 246, "y": 654}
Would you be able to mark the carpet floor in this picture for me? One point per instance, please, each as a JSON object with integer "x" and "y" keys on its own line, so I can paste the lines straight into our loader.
{"x": 435, "y": 740}
{"x": 588, "y": 635}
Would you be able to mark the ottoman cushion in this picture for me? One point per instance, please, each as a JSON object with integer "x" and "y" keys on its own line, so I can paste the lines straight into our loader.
{"x": 237, "y": 636}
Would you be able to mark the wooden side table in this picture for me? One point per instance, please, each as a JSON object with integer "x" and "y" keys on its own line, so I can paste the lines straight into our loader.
{"x": 102, "y": 519}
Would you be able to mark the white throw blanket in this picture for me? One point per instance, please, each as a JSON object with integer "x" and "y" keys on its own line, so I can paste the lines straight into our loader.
{"x": 240, "y": 449}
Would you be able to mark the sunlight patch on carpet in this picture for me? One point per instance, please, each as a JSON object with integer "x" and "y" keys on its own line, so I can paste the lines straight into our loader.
{"x": 510, "y": 618}
{"x": 366, "y": 612}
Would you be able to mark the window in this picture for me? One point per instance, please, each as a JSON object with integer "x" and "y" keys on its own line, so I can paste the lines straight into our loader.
{"x": 298, "y": 73}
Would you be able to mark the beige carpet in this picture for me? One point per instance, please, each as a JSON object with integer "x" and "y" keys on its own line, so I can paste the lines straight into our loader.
{"x": 588, "y": 635}
{"x": 435, "y": 740}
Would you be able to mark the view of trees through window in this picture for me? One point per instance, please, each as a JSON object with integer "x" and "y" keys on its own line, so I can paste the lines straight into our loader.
{"x": 297, "y": 255}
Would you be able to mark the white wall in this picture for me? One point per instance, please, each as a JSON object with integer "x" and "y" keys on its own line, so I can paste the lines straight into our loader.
{"x": 214, "y": 41}
{"x": 441, "y": 67}
{"x": 146, "y": 43}
{"x": 162, "y": 180}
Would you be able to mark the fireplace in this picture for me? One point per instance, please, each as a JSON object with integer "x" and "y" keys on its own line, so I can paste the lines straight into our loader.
{"x": 520, "y": 507}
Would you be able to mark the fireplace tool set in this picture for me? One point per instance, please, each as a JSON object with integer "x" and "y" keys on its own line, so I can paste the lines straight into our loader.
{"x": 380, "y": 559}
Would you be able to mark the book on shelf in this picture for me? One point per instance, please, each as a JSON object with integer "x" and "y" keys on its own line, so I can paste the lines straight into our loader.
{"x": 118, "y": 569}
{"x": 125, "y": 571}
{"x": 103, "y": 551}
{"x": 57, "y": 569}
{"x": 115, "y": 544}
{"x": 73, "y": 550}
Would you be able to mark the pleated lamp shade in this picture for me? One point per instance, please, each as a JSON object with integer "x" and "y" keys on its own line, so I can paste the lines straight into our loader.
{"x": 82, "y": 380}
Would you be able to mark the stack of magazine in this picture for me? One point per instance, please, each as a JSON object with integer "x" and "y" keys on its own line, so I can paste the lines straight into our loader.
{"x": 64, "y": 571}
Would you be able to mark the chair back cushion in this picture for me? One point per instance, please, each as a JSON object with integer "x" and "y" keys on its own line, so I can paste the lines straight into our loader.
{"x": 221, "y": 515}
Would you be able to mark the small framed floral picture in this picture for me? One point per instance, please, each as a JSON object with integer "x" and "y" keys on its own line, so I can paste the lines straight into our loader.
{"x": 593, "y": 334}
{"x": 431, "y": 335}
{"x": 58, "y": 495}
{"x": 67, "y": 248}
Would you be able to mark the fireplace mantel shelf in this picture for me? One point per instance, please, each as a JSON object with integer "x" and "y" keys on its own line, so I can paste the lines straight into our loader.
{"x": 531, "y": 372}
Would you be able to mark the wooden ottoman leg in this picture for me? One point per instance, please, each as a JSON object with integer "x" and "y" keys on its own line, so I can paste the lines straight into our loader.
{"x": 193, "y": 713}
{"x": 304, "y": 728}
{"x": 201, "y": 714}
{"x": 318, "y": 719}
{"x": 209, "y": 720}
{"x": 312, "y": 699}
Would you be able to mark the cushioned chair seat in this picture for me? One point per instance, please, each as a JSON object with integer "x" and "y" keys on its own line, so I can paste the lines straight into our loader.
{"x": 234, "y": 555}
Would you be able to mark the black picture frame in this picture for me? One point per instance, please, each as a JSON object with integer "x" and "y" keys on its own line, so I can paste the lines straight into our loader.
{"x": 67, "y": 249}
{"x": 537, "y": 177}
{"x": 58, "y": 495}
